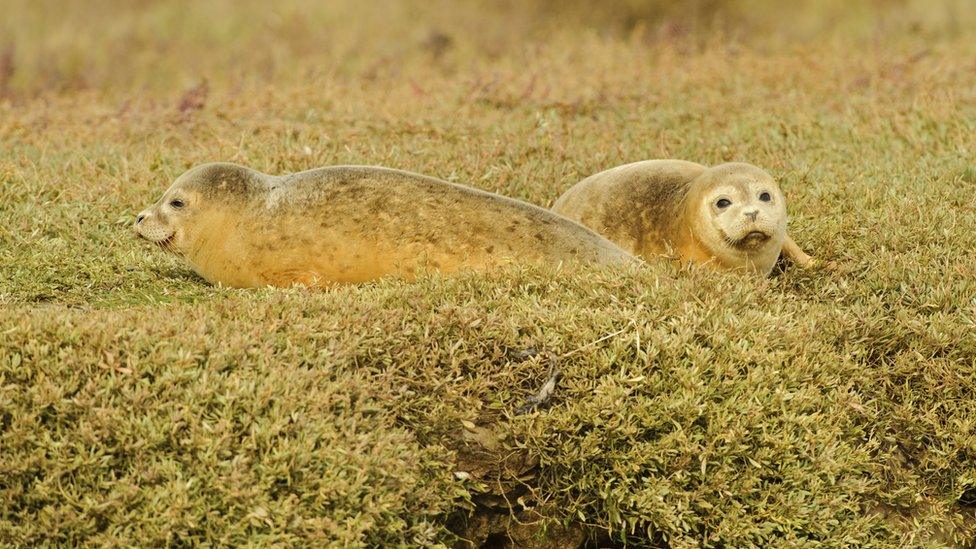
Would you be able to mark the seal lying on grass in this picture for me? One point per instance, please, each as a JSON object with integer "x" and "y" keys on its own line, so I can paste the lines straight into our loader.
{"x": 731, "y": 215}
{"x": 350, "y": 224}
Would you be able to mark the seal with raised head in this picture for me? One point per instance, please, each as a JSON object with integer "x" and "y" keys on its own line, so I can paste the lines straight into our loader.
{"x": 732, "y": 215}
{"x": 348, "y": 224}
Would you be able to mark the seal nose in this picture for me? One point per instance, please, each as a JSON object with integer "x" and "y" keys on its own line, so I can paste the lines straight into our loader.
{"x": 752, "y": 215}
{"x": 139, "y": 218}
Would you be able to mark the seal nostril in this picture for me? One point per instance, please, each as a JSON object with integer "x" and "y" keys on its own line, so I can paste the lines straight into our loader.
{"x": 139, "y": 218}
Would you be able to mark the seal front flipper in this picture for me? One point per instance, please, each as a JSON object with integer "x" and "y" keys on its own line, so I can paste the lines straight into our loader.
{"x": 793, "y": 252}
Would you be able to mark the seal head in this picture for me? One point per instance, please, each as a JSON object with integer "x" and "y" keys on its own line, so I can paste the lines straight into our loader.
{"x": 737, "y": 212}
{"x": 198, "y": 193}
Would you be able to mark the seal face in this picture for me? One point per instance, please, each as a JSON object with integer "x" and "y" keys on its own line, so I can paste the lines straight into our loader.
{"x": 731, "y": 215}
{"x": 737, "y": 213}
{"x": 349, "y": 224}
{"x": 196, "y": 198}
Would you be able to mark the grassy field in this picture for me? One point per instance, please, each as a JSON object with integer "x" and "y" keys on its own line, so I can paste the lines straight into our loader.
{"x": 139, "y": 405}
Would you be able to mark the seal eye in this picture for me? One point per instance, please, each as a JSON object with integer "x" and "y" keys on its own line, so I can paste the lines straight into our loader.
{"x": 723, "y": 203}
{"x": 765, "y": 197}
{"x": 176, "y": 204}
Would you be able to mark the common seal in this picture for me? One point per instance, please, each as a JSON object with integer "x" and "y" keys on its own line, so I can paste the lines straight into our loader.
{"x": 732, "y": 215}
{"x": 349, "y": 224}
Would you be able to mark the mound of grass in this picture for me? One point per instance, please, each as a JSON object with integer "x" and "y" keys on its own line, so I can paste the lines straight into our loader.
{"x": 139, "y": 405}
{"x": 372, "y": 415}
{"x": 134, "y": 429}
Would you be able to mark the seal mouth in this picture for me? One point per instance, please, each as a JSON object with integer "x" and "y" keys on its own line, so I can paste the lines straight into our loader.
{"x": 165, "y": 243}
{"x": 751, "y": 241}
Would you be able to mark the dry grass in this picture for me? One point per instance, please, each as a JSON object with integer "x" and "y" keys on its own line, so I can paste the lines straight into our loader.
{"x": 139, "y": 405}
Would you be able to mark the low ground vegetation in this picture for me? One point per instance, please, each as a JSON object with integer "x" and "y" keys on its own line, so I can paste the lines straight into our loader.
{"x": 823, "y": 408}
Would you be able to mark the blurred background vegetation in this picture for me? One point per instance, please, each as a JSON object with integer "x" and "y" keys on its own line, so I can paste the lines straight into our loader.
{"x": 107, "y": 44}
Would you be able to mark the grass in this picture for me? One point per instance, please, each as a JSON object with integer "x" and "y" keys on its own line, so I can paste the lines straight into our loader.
{"x": 139, "y": 405}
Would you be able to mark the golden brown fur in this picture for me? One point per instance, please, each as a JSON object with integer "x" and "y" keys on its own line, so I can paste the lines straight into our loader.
{"x": 350, "y": 224}
{"x": 732, "y": 215}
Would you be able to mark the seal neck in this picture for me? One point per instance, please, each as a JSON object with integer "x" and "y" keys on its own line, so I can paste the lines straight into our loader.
{"x": 215, "y": 251}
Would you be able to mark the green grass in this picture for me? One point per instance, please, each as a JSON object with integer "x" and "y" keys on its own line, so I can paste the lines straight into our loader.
{"x": 139, "y": 405}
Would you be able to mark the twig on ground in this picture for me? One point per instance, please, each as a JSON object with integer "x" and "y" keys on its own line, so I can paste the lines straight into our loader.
{"x": 545, "y": 393}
